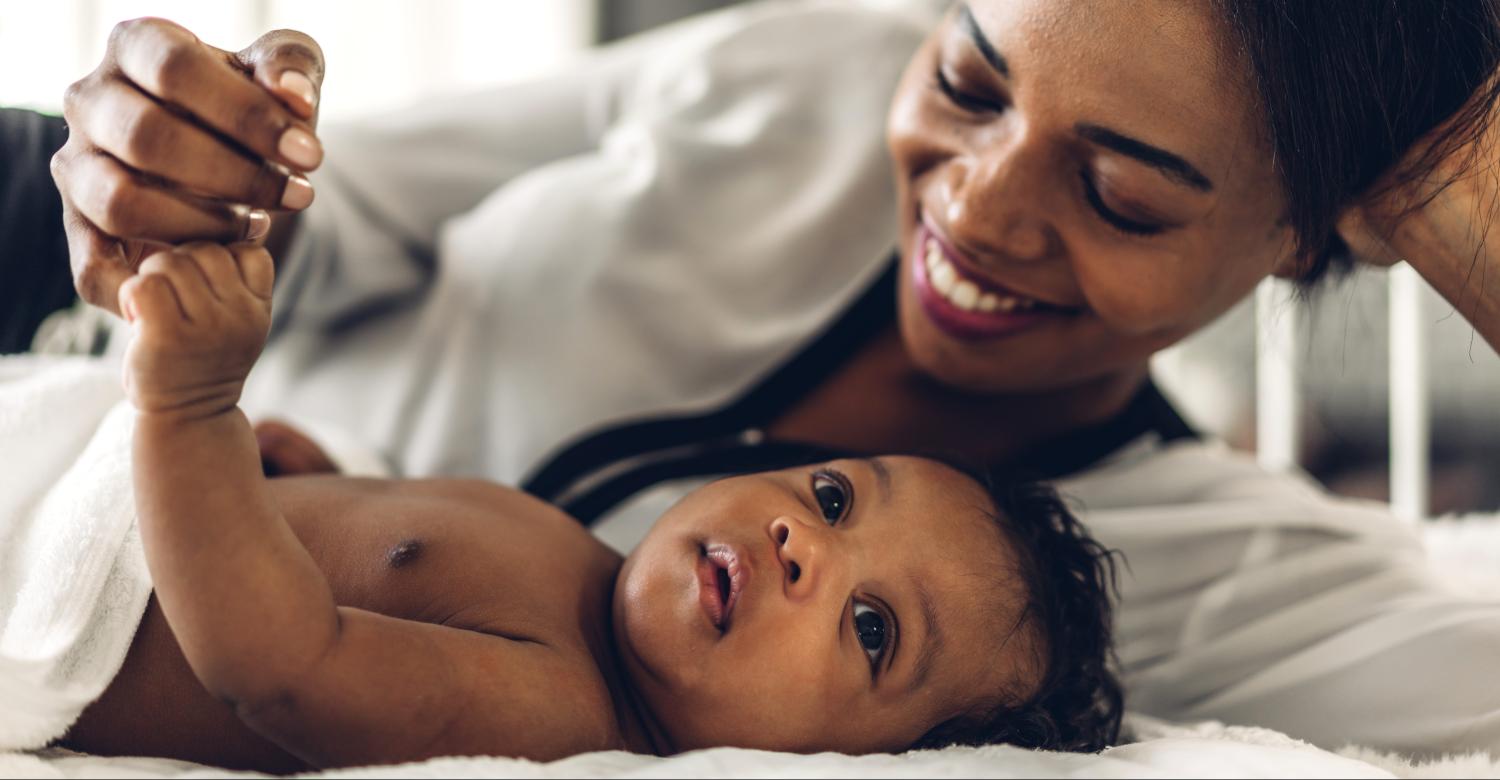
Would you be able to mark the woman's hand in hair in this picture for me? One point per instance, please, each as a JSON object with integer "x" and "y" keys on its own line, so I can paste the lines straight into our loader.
{"x": 172, "y": 140}
{"x": 1444, "y": 220}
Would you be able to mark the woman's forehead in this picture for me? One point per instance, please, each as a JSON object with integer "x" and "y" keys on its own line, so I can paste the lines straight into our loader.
{"x": 1157, "y": 70}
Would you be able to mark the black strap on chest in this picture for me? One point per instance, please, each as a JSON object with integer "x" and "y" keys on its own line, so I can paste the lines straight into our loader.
{"x": 601, "y": 470}
{"x": 868, "y": 316}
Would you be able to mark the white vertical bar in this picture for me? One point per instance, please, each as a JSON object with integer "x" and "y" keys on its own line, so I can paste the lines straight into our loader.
{"x": 1276, "y": 398}
{"x": 1408, "y": 382}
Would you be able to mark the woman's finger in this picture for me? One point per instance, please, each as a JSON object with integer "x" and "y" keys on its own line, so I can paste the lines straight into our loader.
{"x": 289, "y": 64}
{"x": 121, "y": 203}
{"x": 99, "y": 263}
{"x": 145, "y": 135}
{"x": 172, "y": 65}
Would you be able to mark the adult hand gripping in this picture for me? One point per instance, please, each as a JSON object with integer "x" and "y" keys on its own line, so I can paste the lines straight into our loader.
{"x": 172, "y": 140}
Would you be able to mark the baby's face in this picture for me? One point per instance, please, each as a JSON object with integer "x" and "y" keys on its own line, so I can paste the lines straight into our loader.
{"x": 849, "y": 606}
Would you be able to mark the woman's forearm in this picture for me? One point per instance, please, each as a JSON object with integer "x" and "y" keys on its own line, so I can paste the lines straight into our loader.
{"x": 246, "y": 602}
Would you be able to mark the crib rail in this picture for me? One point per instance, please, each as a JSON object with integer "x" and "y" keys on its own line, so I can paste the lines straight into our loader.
{"x": 1279, "y": 341}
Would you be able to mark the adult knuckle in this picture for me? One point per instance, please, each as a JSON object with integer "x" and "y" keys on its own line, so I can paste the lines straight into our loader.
{"x": 299, "y": 47}
{"x": 116, "y": 202}
{"x": 58, "y": 166}
{"x": 258, "y": 119}
{"x": 144, "y": 134}
{"x": 75, "y": 98}
{"x": 264, "y": 185}
{"x": 123, "y": 32}
{"x": 173, "y": 67}
{"x": 88, "y": 280}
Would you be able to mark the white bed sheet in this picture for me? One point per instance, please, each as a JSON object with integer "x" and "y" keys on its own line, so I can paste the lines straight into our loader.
{"x": 1163, "y": 750}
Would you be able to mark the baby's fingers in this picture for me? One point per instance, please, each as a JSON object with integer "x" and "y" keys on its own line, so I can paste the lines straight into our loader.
{"x": 194, "y": 295}
{"x": 217, "y": 265}
{"x": 256, "y": 270}
{"x": 150, "y": 299}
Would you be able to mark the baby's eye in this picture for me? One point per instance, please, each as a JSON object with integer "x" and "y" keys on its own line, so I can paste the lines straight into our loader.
{"x": 832, "y": 492}
{"x": 869, "y": 626}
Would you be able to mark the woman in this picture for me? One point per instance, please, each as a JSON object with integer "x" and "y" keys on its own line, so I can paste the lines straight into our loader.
{"x": 677, "y": 262}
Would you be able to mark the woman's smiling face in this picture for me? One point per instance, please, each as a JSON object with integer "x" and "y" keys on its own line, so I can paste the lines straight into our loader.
{"x": 1081, "y": 185}
{"x": 851, "y": 607}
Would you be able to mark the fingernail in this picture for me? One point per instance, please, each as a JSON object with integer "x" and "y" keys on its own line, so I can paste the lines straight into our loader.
{"x": 257, "y": 225}
{"x": 298, "y": 193}
{"x": 299, "y": 146}
{"x": 300, "y": 85}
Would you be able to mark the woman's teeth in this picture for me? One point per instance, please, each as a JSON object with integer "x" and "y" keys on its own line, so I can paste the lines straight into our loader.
{"x": 963, "y": 293}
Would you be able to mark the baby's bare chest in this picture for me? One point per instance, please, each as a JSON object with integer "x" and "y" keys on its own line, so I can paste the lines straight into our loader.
{"x": 481, "y": 557}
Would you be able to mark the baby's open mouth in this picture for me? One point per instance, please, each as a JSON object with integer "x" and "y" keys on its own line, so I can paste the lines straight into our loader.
{"x": 721, "y": 579}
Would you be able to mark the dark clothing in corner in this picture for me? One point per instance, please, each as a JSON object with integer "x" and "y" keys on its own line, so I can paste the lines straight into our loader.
{"x": 35, "y": 279}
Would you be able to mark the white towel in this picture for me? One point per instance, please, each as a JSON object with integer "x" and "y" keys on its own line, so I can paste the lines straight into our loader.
{"x": 73, "y": 578}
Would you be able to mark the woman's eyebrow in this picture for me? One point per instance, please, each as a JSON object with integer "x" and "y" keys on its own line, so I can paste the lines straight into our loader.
{"x": 970, "y": 26}
{"x": 1174, "y": 167}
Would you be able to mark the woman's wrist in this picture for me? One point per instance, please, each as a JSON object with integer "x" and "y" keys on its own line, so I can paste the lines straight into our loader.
{"x": 1449, "y": 241}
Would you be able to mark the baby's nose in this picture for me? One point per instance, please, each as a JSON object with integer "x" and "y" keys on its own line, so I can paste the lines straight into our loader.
{"x": 797, "y": 548}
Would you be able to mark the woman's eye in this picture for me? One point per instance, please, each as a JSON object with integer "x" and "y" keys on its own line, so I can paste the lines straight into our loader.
{"x": 964, "y": 100}
{"x": 833, "y": 495}
{"x": 1116, "y": 220}
{"x": 869, "y": 627}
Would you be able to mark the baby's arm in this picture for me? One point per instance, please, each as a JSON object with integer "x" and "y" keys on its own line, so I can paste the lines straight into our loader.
{"x": 233, "y": 580}
{"x": 254, "y": 615}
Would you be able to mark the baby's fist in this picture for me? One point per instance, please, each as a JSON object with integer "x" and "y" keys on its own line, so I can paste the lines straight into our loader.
{"x": 200, "y": 314}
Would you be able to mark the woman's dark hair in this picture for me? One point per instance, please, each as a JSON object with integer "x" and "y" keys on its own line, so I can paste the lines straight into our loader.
{"x": 1350, "y": 88}
{"x": 1069, "y": 580}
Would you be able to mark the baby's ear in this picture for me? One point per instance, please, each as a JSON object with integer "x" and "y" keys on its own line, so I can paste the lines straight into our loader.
{"x": 286, "y": 451}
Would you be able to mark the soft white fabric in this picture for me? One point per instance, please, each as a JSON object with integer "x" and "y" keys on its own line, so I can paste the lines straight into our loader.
{"x": 73, "y": 579}
{"x": 1256, "y": 598}
{"x": 1161, "y": 750}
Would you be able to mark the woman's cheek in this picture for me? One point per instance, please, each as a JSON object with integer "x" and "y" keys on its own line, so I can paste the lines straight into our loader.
{"x": 1152, "y": 295}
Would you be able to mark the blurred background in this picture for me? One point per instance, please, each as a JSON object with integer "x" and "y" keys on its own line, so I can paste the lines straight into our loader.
{"x": 390, "y": 52}
{"x": 401, "y": 50}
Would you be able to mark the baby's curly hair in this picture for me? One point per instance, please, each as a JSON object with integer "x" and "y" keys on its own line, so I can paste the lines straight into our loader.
{"x": 1069, "y": 582}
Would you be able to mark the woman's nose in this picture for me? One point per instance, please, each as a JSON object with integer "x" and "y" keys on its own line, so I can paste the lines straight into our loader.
{"x": 798, "y": 549}
{"x": 996, "y": 204}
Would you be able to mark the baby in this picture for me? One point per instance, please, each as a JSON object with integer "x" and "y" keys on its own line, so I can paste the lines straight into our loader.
{"x": 864, "y": 605}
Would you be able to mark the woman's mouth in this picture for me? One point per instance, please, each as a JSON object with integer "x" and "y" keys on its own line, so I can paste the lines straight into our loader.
{"x": 965, "y": 305}
{"x": 721, "y": 579}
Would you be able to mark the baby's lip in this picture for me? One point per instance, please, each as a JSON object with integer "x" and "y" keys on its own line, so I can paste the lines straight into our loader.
{"x": 722, "y": 574}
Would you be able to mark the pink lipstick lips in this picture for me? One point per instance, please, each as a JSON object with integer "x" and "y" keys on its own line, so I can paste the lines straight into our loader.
{"x": 721, "y": 579}
{"x": 965, "y": 305}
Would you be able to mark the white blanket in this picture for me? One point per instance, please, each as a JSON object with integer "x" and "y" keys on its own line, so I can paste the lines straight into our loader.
{"x": 1161, "y": 750}
{"x": 73, "y": 578}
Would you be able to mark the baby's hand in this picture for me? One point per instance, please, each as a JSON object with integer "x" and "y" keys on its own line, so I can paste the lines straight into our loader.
{"x": 200, "y": 314}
